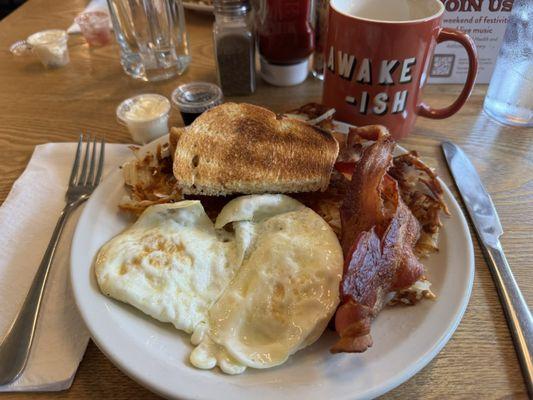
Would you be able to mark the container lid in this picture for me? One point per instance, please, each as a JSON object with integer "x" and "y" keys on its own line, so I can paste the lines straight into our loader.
{"x": 284, "y": 75}
{"x": 196, "y": 97}
{"x": 143, "y": 108}
{"x": 48, "y": 37}
{"x": 20, "y": 47}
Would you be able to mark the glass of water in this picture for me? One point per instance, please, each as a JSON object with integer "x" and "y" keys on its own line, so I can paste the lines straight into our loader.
{"x": 152, "y": 37}
{"x": 510, "y": 94}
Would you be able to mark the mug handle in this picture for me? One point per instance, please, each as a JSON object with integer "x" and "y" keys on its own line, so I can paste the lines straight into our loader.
{"x": 466, "y": 41}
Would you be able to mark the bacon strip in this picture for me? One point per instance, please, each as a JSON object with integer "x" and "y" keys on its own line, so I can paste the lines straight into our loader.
{"x": 379, "y": 233}
{"x": 423, "y": 194}
{"x": 363, "y": 207}
{"x": 418, "y": 184}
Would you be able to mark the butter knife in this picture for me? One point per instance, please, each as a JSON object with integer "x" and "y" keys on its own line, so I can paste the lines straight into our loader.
{"x": 489, "y": 229}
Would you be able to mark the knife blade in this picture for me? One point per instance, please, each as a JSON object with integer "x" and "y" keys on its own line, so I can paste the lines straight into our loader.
{"x": 475, "y": 197}
{"x": 487, "y": 224}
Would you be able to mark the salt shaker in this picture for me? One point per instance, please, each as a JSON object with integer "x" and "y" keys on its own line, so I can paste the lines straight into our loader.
{"x": 234, "y": 47}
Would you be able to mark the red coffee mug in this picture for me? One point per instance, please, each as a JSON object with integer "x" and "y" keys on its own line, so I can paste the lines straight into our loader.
{"x": 377, "y": 58}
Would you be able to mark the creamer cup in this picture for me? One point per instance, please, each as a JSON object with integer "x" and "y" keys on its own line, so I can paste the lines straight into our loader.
{"x": 145, "y": 116}
{"x": 50, "y": 47}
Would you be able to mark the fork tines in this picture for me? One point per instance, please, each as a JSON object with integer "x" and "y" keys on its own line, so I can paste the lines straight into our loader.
{"x": 91, "y": 172}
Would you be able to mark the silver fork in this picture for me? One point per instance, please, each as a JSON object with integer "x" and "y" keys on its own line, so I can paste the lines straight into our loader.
{"x": 15, "y": 347}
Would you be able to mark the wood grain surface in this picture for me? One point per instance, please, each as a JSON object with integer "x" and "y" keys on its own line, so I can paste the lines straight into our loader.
{"x": 38, "y": 106}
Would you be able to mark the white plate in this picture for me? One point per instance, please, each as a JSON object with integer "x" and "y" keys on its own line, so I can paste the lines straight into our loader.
{"x": 156, "y": 354}
{"x": 198, "y": 6}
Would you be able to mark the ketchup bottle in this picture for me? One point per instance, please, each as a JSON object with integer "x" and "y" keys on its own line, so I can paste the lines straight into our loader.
{"x": 286, "y": 40}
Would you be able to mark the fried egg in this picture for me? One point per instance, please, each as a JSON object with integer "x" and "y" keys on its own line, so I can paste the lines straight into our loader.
{"x": 171, "y": 264}
{"x": 284, "y": 293}
{"x": 253, "y": 288}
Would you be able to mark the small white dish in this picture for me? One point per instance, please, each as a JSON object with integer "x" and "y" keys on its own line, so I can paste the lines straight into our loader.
{"x": 156, "y": 354}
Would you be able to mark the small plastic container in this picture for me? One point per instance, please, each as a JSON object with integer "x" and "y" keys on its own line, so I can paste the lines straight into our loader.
{"x": 50, "y": 47}
{"x": 192, "y": 99}
{"x": 95, "y": 27}
{"x": 145, "y": 116}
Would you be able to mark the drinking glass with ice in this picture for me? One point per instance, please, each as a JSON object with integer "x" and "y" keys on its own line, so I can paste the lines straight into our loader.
{"x": 510, "y": 94}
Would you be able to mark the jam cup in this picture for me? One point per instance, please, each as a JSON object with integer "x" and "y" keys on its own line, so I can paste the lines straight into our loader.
{"x": 192, "y": 99}
{"x": 95, "y": 27}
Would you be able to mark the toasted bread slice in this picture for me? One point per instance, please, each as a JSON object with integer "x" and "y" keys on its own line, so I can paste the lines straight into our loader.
{"x": 242, "y": 148}
{"x": 173, "y": 138}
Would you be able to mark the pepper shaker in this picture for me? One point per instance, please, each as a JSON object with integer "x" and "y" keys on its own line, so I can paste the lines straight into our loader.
{"x": 234, "y": 47}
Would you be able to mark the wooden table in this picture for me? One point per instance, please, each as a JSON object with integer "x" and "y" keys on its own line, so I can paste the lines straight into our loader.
{"x": 40, "y": 106}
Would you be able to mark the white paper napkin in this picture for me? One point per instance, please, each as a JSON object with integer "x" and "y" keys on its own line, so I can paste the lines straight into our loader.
{"x": 27, "y": 219}
{"x": 94, "y": 5}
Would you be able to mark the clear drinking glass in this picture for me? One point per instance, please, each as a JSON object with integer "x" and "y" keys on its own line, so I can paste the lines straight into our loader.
{"x": 152, "y": 37}
{"x": 510, "y": 94}
{"x": 321, "y": 27}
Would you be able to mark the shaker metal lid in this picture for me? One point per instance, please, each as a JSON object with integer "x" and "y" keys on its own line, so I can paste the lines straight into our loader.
{"x": 196, "y": 97}
{"x": 231, "y": 7}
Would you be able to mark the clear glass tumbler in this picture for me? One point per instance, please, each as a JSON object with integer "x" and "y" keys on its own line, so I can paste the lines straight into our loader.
{"x": 152, "y": 37}
{"x": 510, "y": 94}
{"x": 321, "y": 9}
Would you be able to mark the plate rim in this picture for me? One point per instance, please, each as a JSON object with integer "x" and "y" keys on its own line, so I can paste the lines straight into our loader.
{"x": 386, "y": 386}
